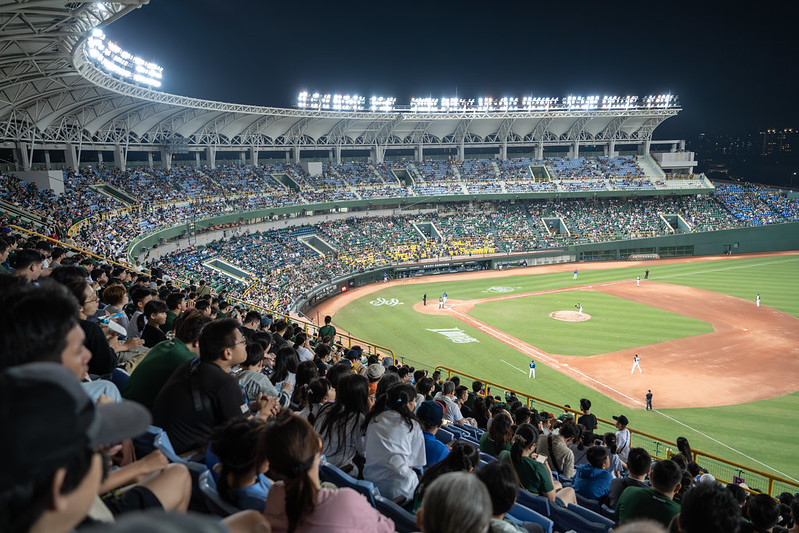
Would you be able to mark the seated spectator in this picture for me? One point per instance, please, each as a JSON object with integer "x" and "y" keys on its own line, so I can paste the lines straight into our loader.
{"x": 592, "y": 481}
{"x": 241, "y": 468}
{"x": 298, "y": 503}
{"x": 480, "y": 412}
{"x": 375, "y": 372}
{"x": 655, "y": 503}
{"x": 28, "y": 264}
{"x": 431, "y": 416}
{"x": 150, "y": 322}
{"x": 709, "y": 509}
{"x": 499, "y": 435}
{"x": 446, "y": 509}
{"x": 251, "y": 323}
{"x": 503, "y": 487}
{"x": 341, "y": 425}
{"x": 116, "y": 298}
{"x": 556, "y": 447}
{"x": 139, "y": 296}
{"x": 54, "y": 466}
{"x": 463, "y": 457}
{"x": 622, "y": 437}
{"x": 303, "y": 346}
{"x": 447, "y": 399}
{"x": 615, "y": 465}
{"x": 638, "y": 466}
{"x": 763, "y": 514}
{"x": 318, "y": 393}
{"x": 176, "y": 306}
{"x": 201, "y": 394}
{"x": 163, "y": 359}
{"x": 252, "y": 379}
{"x": 534, "y": 475}
{"x": 394, "y": 443}
{"x": 286, "y": 363}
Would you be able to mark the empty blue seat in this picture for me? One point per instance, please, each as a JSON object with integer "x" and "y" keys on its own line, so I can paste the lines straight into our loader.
{"x": 487, "y": 457}
{"x": 523, "y": 514}
{"x": 539, "y": 504}
{"x": 215, "y": 503}
{"x": 341, "y": 479}
{"x": 588, "y": 514}
{"x": 588, "y": 503}
{"x": 444, "y": 436}
{"x": 162, "y": 443}
{"x": 566, "y": 520}
{"x": 404, "y": 521}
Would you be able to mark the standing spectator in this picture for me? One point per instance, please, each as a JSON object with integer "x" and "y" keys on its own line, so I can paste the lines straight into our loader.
{"x": 622, "y": 437}
{"x": 327, "y": 330}
{"x": 587, "y": 420}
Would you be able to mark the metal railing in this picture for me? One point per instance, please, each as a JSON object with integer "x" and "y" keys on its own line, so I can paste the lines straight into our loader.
{"x": 309, "y": 327}
{"x": 722, "y": 469}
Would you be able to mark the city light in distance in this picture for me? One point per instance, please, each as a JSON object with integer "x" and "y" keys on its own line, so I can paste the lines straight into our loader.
{"x": 124, "y": 64}
{"x": 485, "y": 104}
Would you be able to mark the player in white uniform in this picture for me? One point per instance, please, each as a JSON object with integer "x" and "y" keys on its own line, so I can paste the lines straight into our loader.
{"x": 636, "y": 361}
{"x": 757, "y": 300}
{"x": 531, "y": 374}
{"x": 575, "y": 274}
{"x": 579, "y": 307}
{"x": 637, "y": 281}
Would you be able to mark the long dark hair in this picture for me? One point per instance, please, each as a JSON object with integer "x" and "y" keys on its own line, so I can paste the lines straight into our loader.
{"x": 286, "y": 361}
{"x": 153, "y": 307}
{"x": 463, "y": 457}
{"x": 291, "y": 446}
{"x": 526, "y": 436}
{"x": 501, "y": 431}
{"x": 352, "y": 402}
{"x": 306, "y": 372}
{"x": 315, "y": 392}
{"x": 396, "y": 399}
{"x": 480, "y": 412}
{"x": 236, "y": 445}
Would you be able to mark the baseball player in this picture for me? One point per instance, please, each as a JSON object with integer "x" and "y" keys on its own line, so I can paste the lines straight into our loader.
{"x": 636, "y": 361}
{"x": 579, "y": 307}
{"x": 637, "y": 281}
{"x": 575, "y": 274}
{"x": 531, "y": 374}
{"x": 757, "y": 300}
{"x": 648, "y": 400}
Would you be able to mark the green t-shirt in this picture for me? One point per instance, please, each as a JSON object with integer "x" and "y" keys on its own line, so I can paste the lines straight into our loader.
{"x": 533, "y": 476}
{"x": 154, "y": 370}
{"x": 327, "y": 331}
{"x": 487, "y": 445}
{"x": 645, "y": 502}
{"x": 170, "y": 322}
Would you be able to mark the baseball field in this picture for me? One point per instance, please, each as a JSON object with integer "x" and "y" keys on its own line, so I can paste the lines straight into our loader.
{"x": 724, "y": 372}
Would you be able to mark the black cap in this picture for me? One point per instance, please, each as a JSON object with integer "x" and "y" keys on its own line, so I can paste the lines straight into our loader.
{"x": 621, "y": 419}
{"x": 52, "y": 420}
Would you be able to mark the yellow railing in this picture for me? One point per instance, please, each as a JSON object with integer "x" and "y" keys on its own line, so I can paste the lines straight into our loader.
{"x": 722, "y": 469}
{"x": 308, "y": 326}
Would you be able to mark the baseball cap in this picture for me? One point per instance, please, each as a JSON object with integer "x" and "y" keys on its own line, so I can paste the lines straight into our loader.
{"x": 53, "y": 420}
{"x": 375, "y": 371}
{"x": 353, "y": 354}
{"x": 621, "y": 419}
{"x": 430, "y": 412}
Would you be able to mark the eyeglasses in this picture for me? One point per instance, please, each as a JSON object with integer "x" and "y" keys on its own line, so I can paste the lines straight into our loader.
{"x": 242, "y": 341}
{"x": 95, "y": 299}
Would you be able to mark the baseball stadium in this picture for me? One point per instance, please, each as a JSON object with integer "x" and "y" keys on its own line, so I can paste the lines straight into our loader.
{"x": 465, "y": 236}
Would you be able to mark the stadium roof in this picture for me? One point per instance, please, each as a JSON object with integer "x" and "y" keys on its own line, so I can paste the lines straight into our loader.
{"x": 52, "y": 93}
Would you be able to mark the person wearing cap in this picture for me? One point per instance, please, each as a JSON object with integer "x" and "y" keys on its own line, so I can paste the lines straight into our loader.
{"x": 431, "y": 416}
{"x": 354, "y": 357}
{"x": 53, "y": 466}
{"x": 622, "y": 437}
{"x": 374, "y": 372}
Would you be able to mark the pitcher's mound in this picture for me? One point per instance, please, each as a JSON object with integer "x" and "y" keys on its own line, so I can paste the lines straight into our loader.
{"x": 570, "y": 316}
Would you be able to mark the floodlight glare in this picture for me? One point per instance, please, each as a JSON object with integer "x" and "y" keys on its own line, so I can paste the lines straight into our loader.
{"x": 113, "y": 59}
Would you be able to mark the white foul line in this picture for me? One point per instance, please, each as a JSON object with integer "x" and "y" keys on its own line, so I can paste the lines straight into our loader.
{"x": 510, "y": 365}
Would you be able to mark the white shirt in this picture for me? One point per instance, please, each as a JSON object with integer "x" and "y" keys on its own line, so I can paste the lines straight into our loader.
{"x": 452, "y": 412}
{"x": 623, "y": 443}
{"x": 391, "y": 451}
{"x": 304, "y": 353}
{"x": 355, "y": 440}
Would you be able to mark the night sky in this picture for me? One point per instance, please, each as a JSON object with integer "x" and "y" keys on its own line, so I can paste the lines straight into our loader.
{"x": 733, "y": 65}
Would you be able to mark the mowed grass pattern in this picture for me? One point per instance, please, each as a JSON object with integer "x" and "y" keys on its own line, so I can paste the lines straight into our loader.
{"x": 615, "y": 324}
{"x": 762, "y": 434}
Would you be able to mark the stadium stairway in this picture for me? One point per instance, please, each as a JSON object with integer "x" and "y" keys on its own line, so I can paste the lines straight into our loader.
{"x": 650, "y": 167}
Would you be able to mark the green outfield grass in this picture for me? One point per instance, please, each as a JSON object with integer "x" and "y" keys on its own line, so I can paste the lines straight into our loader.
{"x": 764, "y": 430}
{"x": 616, "y": 323}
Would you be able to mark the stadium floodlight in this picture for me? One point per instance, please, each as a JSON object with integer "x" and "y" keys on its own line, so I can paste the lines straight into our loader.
{"x": 114, "y": 60}
{"x": 382, "y": 104}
